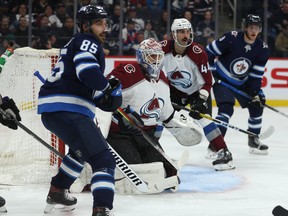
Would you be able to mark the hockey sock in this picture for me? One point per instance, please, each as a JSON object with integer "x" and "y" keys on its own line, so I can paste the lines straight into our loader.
{"x": 69, "y": 170}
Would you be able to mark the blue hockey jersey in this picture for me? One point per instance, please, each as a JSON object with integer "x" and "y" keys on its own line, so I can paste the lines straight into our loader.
{"x": 76, "y": 78}
{"x": 238, "y": 63}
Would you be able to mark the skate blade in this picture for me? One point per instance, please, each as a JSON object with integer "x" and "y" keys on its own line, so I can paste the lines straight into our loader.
{"x": 258, "y": 151}
{"x": 59, "y": 208}
{"x": 3, "y": 209}
{"x": 223, "y": 167}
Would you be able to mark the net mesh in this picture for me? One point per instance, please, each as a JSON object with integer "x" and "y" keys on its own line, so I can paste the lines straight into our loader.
{"x": 22, "y": 158}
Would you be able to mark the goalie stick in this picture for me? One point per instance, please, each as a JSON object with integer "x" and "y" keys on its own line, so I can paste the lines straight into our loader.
{"x": 280, "y": 211}
{"x": 263, "y": 135}
{"x": 124, "y": 168}
{"x": 250, "y": 97}
{"x": 168, "y": 161}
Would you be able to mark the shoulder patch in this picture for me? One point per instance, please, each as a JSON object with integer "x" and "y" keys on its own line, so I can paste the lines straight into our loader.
{"x": 163, "y": 43}
{"x": 265, "y": 45}
{"x": 129, "y": 68}
{"x": 196, "y": 49}
{"x": 234, "y": 33}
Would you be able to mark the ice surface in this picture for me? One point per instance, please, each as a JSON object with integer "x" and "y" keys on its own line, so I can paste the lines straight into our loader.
{"x": 254, "y": 188}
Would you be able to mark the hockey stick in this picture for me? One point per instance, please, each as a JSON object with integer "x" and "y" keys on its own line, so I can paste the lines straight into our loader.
{"x": 148, "y": 138}
{"x": 250, "y": 97}
{"x": 263, "y": 135}
{"x": 31, "y": 133}
{"x": 127, "y": 171}
{"x": 280, "y": 211}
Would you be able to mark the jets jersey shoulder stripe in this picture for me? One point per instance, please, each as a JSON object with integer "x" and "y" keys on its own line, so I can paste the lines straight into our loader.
{"x": 76, "y": 76}
{"x": 238, "y": 62}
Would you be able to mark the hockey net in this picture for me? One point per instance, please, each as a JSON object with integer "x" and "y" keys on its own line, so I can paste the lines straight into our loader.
{"x": 23, "y": 160}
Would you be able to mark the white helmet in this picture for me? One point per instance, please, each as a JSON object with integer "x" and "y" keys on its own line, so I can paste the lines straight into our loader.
{"x": 179, "y": 24}
{"x": 150, "y": 55}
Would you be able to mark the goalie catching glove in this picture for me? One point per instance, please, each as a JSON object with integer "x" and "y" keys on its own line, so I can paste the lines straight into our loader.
{"x": 11, "y": 113}
{"x": 110, "y": 98}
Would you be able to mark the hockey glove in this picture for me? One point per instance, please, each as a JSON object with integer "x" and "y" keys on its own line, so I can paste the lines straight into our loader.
{"x": 126, "y": 127}
{"x": 111, "y": 98}
{"x": 12, "y": 113}
{"x": 198, "y": 105}
{"x": 258, "y": 100}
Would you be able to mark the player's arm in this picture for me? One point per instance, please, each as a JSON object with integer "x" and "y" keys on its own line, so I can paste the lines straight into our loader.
{"x": 253, "y": 86}
{"x": 107, "y": 92}
{"x": 88, "y": 70}
{"x": 218, "y": 47}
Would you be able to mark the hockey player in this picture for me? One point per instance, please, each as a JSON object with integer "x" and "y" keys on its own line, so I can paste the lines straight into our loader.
{"x": 190, "y": 80}
{"x": 67, "y": 103}
{"x": 146, "y": 98}
{"x": 241, "y": 61}
{"x": 7, "y": 118}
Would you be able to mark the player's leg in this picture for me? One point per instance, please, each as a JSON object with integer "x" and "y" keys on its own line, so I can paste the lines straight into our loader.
{"x": 86, "y": 141}
{"x": 225, "y": 102}
{"x": 254, "y": 126}
{"x": 71, "y": 166}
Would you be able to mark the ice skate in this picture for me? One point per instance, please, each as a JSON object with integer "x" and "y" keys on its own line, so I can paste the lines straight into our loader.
{"x": 2, "y": 205}
{"x": 224, "y": 160}
{"x": 256, "y": 147}
{"x": 59, "y": 199}
{"x": 102, "y": 211}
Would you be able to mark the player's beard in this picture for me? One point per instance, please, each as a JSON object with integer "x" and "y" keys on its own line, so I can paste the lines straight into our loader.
{"x": 185, "y": 41}
{"x": 102, "y": 37}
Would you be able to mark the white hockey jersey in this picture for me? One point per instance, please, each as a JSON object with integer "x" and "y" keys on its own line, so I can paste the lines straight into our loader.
{"x": 189, "y": 72}
{"x": 148, "y": 97}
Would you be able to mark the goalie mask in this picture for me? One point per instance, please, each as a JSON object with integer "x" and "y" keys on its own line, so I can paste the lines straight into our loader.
{"x": 89, "y": 13}
{"x": 180, "y": 24}
{"x": 150, "y": 55}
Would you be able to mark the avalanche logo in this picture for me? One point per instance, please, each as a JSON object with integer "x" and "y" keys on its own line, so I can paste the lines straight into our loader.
{"x": 240, "y": 67}
{"x": 180, "y": 79}
{"x": 152, "y": 108}
{"x": 196, "y": 49}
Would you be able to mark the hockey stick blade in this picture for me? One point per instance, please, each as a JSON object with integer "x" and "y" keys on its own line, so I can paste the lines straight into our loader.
{"x": 267, "y": 133}
{"x": 280, "y": 211}
{"x": 225, "y": 124}
{"x": 183, "y": 160}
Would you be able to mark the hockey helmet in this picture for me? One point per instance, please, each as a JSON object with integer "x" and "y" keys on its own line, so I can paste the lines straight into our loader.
{"x": 150, "y": 55}
{"x": 179, "y": 24}
{"x": 252, "y": 19}
{"x": 88, "y": 13}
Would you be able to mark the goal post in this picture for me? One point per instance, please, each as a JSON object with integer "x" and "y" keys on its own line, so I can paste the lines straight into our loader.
{"x": 23, "y": 160}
